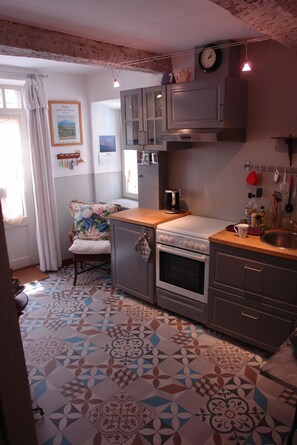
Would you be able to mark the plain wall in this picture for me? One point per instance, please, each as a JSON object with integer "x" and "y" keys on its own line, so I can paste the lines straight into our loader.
{"x": 212, "y": 176}
{"x": 89, "y": 181}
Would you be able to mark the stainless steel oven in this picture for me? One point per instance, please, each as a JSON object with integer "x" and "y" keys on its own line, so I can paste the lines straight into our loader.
{"x": 182, "y": 271}
{"x": 182, "y": 264}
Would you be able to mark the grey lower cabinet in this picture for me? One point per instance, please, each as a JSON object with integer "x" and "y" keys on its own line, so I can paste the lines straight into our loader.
{"x": 252, "y": 296}
{"x": 130, "y": 272}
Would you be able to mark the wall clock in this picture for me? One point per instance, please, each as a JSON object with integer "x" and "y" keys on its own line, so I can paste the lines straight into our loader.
{"x": 210, "y": 58}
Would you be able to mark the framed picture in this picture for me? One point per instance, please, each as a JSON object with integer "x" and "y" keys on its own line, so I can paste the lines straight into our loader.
{"x": 65, "y": 122}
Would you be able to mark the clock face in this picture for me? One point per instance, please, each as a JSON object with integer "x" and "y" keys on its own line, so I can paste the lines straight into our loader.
{"x": 210, "y": 58}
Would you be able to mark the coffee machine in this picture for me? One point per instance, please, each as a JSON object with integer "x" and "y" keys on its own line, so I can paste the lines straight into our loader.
{"x": 171, "y": 201}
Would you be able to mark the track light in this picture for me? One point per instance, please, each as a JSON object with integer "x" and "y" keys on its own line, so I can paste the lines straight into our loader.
{"x": 246, "y": 66}
{"x": 116, "y": 83}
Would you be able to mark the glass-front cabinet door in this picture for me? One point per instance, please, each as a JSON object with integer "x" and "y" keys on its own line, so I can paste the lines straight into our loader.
{"x": 132, "y": 120}
{"x": 154, "y": 103}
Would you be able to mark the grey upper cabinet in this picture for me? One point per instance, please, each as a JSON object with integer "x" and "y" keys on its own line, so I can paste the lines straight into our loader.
{"x": 132, "y": 122}
{"x": 143, "y": 118}
{"x": 217, "y": 103}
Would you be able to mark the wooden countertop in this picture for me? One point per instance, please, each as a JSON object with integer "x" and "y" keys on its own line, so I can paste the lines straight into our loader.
{"x": 253, "y": 243}
{"x": 146, "y": 217}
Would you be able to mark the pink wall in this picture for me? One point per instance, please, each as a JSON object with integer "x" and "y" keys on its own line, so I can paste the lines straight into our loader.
{"x": 212, "y": 176}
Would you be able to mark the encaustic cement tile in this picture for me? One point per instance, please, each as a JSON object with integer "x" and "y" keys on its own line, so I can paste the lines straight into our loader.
{"x": 95, "y": 354}
{"x": 230, "y": 416}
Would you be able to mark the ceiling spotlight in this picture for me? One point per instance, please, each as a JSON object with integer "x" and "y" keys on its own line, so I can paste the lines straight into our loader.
{"x": 246, "y": 66}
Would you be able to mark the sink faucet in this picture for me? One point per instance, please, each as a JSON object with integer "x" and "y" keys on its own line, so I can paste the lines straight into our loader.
{"x": 293, "y": 224}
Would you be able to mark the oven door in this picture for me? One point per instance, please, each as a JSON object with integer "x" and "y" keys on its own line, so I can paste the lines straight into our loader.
{"x": 182, "y": 272}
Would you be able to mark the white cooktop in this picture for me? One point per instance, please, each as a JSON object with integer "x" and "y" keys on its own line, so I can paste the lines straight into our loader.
{"x": 196, "y": 226}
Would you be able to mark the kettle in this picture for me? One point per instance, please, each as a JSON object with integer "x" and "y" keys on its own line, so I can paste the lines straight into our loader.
{"x": 171, "y": 201}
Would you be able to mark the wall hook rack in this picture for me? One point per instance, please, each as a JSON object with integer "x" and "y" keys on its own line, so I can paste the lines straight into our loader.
{"x": 269, "y": 168}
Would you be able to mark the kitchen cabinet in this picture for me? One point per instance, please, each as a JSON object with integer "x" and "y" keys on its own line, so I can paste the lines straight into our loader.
{"x": 216, "y": 103}
{"x": 252, "y": 296}
{"x": 130, "y": 272}
{"x": 152, "y": 182}
{"x": 143, "y": 113}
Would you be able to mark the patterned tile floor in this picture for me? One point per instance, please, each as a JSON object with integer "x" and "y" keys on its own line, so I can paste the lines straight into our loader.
{"x": 108, "y": 369}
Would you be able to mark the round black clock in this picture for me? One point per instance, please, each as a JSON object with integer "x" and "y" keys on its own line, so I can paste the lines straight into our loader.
{"x": 210, "y": 58}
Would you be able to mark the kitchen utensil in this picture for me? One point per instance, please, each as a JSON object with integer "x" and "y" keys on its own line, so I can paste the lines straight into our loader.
{"x": 252, "y": 178}
{"x": 171, "y": 201}
{"x": 284, "y": 186}
{"x": 276, "y": 176}
{"x": 289, "y": 206}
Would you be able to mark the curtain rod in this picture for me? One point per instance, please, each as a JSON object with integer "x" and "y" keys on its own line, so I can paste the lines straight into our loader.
{"x": 28, "y": 75}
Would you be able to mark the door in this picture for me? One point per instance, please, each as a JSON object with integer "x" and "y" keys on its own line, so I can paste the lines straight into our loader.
{"x": 16, "y": 180}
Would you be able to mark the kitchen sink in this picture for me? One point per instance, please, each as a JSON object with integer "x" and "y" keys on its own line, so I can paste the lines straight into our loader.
{"x": 283, "y": 240}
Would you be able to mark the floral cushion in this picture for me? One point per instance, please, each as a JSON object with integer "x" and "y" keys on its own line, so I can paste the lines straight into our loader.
{"x": 91, "y": 220}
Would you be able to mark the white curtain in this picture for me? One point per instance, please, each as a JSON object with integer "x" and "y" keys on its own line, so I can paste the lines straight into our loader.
{"x": 45, "y": 202}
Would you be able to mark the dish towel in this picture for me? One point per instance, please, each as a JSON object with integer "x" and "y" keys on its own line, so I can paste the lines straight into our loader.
{"x": 142, "y": 246}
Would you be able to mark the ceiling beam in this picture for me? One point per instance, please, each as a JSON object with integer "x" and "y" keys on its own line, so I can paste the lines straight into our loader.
{"x": 17, "y": 39}
{"x": 274, "y": 18}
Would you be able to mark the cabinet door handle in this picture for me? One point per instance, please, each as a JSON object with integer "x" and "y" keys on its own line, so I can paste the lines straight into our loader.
{"x": 249, "y": 316}
{"x": 253, "y": 269}
{"x": 140, "y": 176}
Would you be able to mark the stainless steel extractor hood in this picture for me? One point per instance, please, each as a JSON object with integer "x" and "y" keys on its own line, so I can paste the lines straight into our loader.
{"x": 205, "y": 135}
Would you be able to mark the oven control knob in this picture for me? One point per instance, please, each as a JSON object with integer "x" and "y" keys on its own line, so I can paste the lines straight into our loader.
{"x": 166, "y": 239}
{"x": 161, "y": 238}
{"x": 186, "y": 244}
{"x": 202, "y": 248}
{"x": 171, "y": 240}
{"x": 191, "y": 245}
{"x": 197, "y": 246}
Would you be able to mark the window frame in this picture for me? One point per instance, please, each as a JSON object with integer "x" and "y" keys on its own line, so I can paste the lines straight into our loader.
{"x": 21, "y": 114}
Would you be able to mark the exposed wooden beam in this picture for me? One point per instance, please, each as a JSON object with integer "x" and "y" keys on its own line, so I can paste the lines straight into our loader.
{"x": 17, "y": 39}
{"x": 274, "y": 18}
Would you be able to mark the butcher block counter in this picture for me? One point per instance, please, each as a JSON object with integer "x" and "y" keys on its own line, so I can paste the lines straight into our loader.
{"x": 252, "y": 243}
{"x": 146, "y": 217}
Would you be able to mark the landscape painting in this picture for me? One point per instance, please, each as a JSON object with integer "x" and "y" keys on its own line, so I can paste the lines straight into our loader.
{"x": 65, "y": 123}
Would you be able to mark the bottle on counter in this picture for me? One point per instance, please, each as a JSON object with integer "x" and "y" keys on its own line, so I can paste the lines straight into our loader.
{"x": 248, "y": 209}
{"x": 262, "y": 216}
{"x": 254, "y": 218}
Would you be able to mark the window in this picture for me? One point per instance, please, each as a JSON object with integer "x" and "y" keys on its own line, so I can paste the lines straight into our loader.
{"x": 10, "y": 98}
{"x": 130, "y": 174}
{"x": 11, "y": 169}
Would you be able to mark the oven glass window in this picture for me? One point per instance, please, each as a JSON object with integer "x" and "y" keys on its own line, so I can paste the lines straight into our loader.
{"x": 182, "y": 272}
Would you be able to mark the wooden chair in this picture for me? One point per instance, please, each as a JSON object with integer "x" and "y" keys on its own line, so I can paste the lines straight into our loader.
{"x": 88, "y": 251}
{"x": 89, "y": 234}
